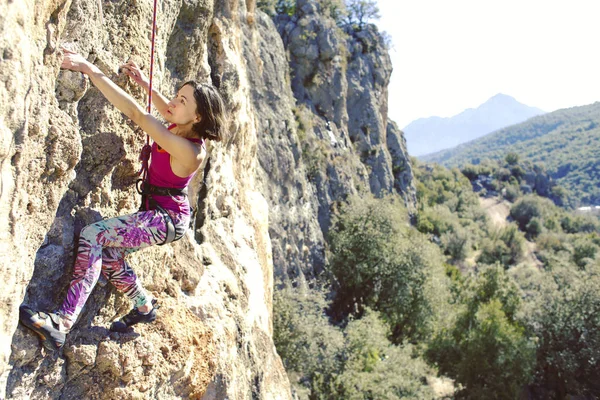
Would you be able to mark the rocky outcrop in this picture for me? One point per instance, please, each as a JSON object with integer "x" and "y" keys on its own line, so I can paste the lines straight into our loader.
{"x": 296, "y": 238}
{"x": 69, "y": 158}
{"x": 339, "y": 78}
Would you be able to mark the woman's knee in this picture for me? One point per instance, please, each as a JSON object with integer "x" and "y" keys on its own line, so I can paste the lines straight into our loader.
{"x": 90, "y": 233}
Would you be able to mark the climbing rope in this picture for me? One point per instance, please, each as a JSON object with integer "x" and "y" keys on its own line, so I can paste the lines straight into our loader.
{"x": 147, "y": 149}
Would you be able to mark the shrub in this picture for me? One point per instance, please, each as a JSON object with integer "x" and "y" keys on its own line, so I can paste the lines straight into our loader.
{"x": 486, "y": 350}
{"x": 529, "y": 207}
{"x": 378, "y": 262}
{"x": 512, "y": 158}
{"x": 311, "y": 348}
{"x": 584, "y": 250}
{"x": 456, "y": 244}
{"x": 518, "y": 172}
{"x": 273, "y": 7}
{"x": 578, "y": 223}
{"x": 512, "y": 193}
{"x": 534, "y": 228}
{"x": 470, "y": 171}
{"x": 566, "y": 320}
{"x": 325, "y": 362}
{"x": 505, "y": 247}
{"x": 360, "y": 12}
{"x": 376, "y": 369}
{"x": 437, "y": 220}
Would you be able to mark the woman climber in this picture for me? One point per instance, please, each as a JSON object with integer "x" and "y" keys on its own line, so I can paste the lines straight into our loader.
{"x": 196, "y": 114}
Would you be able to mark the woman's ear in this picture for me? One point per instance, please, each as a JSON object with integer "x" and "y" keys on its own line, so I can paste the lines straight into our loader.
{"x": 197, "y": 119}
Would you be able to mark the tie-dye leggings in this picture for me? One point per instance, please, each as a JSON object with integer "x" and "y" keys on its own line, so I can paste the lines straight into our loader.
{"x": 103, "y": 247}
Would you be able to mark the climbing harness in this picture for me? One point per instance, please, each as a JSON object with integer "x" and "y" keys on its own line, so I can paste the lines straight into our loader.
{"x": 147, "y": 190}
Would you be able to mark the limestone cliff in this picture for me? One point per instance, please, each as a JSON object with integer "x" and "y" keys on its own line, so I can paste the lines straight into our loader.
{"x": 339, "y": 78}
{"x": 299, "y": 143}
{"x": 69, "y": 158}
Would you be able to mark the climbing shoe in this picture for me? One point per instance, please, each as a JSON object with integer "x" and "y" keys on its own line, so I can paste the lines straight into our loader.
{"x": 46, "y": 325}
{"x": 135, "y": 317}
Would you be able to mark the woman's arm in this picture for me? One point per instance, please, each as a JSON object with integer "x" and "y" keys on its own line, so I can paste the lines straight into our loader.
{"x": 184, "y": 151}
{"x": 161, "y": 103}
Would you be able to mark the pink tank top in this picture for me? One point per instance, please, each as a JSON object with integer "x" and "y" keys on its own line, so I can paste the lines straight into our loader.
{"x": 161, "y": 174}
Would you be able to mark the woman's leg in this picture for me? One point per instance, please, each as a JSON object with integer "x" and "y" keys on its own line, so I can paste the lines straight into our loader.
{"x": 132, "y": 232}
{"x": 123, "y": 277}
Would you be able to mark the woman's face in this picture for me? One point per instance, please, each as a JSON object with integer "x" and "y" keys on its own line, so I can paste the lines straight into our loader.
{"x": 182, "y": 109}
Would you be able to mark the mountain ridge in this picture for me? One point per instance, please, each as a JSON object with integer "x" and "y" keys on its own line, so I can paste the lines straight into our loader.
{"x": 565, "y": 141}
{"x": 429, "y": 135}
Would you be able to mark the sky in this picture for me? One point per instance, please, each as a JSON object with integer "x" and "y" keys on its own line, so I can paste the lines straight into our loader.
{"x": 450, "y": 55}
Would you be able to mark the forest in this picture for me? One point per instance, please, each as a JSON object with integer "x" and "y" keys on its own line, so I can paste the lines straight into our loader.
{"x": 502, "y": 308}
{"x": 565, "y": 142}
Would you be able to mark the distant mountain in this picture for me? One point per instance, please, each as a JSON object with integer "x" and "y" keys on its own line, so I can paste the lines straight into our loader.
{"x": 566, "y": 142}
{"x": 428, "y": 135}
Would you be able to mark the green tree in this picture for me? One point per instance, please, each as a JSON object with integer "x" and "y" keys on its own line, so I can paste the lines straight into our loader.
{"x": 566, "y": 320}
{"x": 357, "y": 362}
{"x": 456, "y": 244}
{"x": 311, "y": 348}
{"x": 530, "y": 207}
{"x": 512, "y": 158}
{"x": 378, "y": 262}
{"x": 505, "y": 247}
{"x": 376, "y": 369}
{"x": 273, "y": 7}
{"x": 486, "y": 350}
{"x": 361, "y": 12}
{"x": 584, "y": 251}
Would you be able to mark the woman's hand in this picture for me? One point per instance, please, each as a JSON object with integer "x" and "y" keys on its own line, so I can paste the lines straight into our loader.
{"x": 74, "y": 61}
{"x": 134, "y": 72}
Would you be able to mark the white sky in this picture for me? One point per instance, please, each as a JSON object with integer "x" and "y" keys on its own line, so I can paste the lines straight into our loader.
{"x": 450, "y": 55}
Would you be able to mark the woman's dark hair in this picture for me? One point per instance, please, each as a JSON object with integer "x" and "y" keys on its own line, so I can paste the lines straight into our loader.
{"x": 211, "y": 109}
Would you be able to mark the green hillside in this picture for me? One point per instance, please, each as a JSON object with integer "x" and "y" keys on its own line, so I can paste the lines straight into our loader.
{"x": 566, "y": 142}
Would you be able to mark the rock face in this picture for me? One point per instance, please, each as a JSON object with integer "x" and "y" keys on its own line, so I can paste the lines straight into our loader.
{"x": 339, "y": 79}
{"x": 299, "y": 143}
{"x": 69, "y": 158}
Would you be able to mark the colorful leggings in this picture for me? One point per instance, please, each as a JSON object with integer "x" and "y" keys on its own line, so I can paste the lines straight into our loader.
{"x": 103, "y": 247}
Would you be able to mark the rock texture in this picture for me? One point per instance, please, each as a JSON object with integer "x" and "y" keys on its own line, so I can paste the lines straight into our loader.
{"x": 308, "y": 127}
{"x": 339, "y": 78}
{"x": 69, "y": 158}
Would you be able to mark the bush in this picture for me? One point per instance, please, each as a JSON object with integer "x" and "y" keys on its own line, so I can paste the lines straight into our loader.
{"x": 505, "y": 247}
{"x": 378, "y": 262}
{"x": 584, "y": 251}
{"x": 376, "y": 369}
{"x": 486, "y": 350}
{"x": 534, "y": 228}
{"x": 578, "y": 223}
{"x": 470, "y": 171}
{"x": 311, "y": 348}
{"x": 518, "y": 172}
{"x": 273, "y": 7}
{"x": 456, "y": 244}
{"x": 325, "y": 362}
{"x": 530, "y": 207}
{"x": 360, "y": 12}
{"x": 512, "y": 193}
{"x": 437, "y": 220}
{"x": 512, "y": 158}
{"x": 566, "y": 320}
